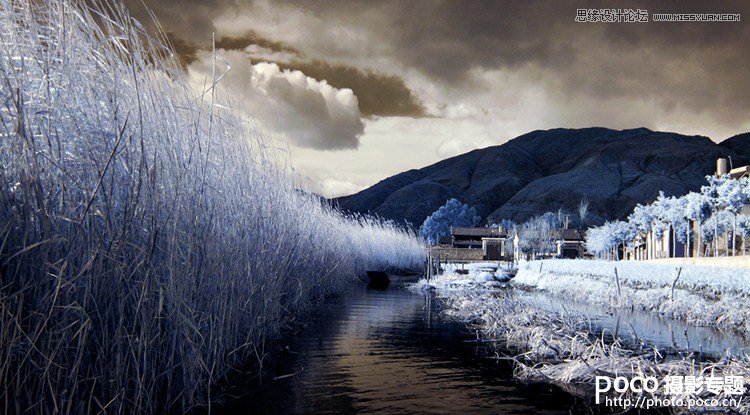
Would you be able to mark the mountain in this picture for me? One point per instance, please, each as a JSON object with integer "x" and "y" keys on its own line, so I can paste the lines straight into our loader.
{"x": 740, "y": 144}
{"x": 546, "y": 170}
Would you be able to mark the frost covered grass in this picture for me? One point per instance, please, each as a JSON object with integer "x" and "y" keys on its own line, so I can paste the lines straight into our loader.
{"x": 708, "y": 296}
{"x": 563, "y": 349}
{"x": 148, "y": 240}
{"x": 471, "y": 276}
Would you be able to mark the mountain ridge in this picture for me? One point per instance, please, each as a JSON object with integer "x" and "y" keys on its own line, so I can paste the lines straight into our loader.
{"x": 544, "y": 170}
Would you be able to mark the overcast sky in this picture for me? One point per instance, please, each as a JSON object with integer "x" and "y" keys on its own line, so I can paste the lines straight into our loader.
{"x": 362, "y": 90}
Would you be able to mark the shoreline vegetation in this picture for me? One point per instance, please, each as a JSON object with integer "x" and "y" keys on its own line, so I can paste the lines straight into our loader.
{"x": 149, "y": 240}
{"x": 566, "y": 348}
{"x": 696, "y": 294}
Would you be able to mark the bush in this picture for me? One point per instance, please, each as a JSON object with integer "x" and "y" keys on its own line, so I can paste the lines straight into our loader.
{"x": 453, "y": 213}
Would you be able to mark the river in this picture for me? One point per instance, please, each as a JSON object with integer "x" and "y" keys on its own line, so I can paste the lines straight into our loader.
{"x": 390, "y": 352}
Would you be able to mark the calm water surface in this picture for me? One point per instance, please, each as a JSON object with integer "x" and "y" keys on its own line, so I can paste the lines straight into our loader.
{"x": 389, "y": 352}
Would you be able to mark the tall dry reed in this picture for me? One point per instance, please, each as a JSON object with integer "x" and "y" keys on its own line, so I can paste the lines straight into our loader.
{"x": 148, "y": 242}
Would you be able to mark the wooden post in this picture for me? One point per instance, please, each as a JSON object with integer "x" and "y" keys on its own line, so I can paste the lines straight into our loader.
{"x": 429, "y": 264}
{"x": 617, "y": 283}
{"x": 674, "y": 283}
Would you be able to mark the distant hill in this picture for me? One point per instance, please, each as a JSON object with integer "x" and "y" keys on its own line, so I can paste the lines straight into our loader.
{"x": 546, "y": 170}
{"x": 740, "y": 144}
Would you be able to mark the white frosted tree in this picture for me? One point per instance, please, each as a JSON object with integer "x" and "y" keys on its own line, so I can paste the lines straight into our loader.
{"x": 641, "y": 219}
{"x": 679, "y": 221}
{"x": 453, "y": 213}
{"x": 599, "y": 240}
{"x": 719, "y": 223}
{"x": 661, "y": 207}
{"x": 711, "y": 192}
{"x": 622, "y": 232}
{"x": 731, "y": 196}
{"x": 539, "y": 235}
{"x": 671, "y": 214}
{"x": 743, "y": 228}
{"x": 697, "y": 208}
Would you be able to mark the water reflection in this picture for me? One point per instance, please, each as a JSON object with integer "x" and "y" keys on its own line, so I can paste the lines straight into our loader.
{"x": 630, "y": 325}
{"x": 388, "y": 352}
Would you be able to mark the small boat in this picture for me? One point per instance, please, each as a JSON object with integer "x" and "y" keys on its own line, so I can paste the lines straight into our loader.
{"x": 379, "y": 280}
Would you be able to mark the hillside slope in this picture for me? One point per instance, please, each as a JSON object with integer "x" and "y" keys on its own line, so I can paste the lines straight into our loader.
{"x": 546, "y": 170}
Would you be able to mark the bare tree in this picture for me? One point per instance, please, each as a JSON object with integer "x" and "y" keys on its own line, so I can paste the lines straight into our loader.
{"x": 583, "y": 211}
{"x": 509, "y": 246}
{"x": 539, "y": 235}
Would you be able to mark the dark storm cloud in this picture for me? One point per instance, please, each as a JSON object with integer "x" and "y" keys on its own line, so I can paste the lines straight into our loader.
{"x": 186, "y": 52}
{"x": 189, "y": 20}
{"x": 701, "y": 67}
{"x": 189, "y": 25}
{"x": 378, "y": 94}
{"x": 447, "y": 38}
{"x": 252, "y": 38}
{"x": 693, "y": 67}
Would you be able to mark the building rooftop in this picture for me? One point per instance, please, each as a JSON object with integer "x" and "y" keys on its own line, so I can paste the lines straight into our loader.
{"x": 477, "y": 232}
{"x": 739, "y": 172}
{"x": 573, "y": 234}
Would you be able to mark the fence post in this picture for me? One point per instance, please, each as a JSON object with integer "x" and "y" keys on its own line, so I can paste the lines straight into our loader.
{"x": 429, "y": 264}
{"x": 674, "y": 283}
{"x": 617, "y": 282}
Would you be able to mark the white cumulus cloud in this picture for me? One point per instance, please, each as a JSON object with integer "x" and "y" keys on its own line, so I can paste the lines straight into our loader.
{"x": 308, "y": 112}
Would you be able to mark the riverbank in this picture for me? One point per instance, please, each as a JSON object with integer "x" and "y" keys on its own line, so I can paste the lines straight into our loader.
{"x": 739, "y": 261}
{"x": 700, "y": 295}
{"x": 568, "y": 348}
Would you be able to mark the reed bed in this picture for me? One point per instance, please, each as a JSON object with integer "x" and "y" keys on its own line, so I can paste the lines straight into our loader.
{"x": 149, "y": 241}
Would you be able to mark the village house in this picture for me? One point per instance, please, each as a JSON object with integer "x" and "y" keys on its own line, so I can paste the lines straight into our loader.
{"x": 571, "y": 244}
{"x": 471, "y": 238}
{"x": 650, "y": 246}
{"x": 491, "y": 240}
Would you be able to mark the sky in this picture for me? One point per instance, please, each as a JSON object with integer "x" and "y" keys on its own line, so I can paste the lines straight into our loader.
{"x": 356, "y": 91}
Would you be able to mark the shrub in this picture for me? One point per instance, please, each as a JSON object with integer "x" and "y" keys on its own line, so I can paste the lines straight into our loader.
{"x": 453, "y": 213}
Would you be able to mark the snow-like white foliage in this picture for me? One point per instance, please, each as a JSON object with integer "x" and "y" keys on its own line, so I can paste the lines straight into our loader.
{"x": 539, "y": 235}
{"x": 453, "y": 213}
{"x": 472, "y": 276}
{"x": 150, "y": 242}
{"x": 562, "y": 348}
{"x": 711, "y": 296}
{"x": 720, "y": 222}
{"x": 697, "y": 206}
{"x": 716, "y": 209}
{"x": 642, "y": 217}
{"x": 732, "y": 194}
{"x": 608, "y": 237}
